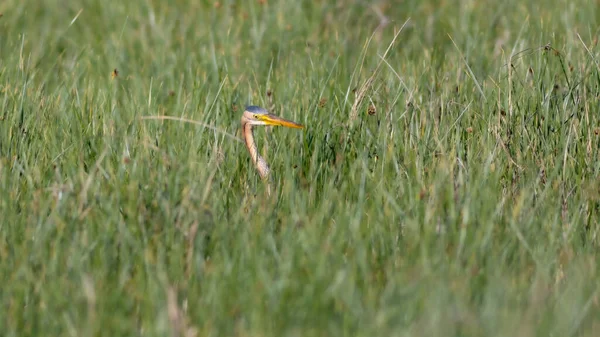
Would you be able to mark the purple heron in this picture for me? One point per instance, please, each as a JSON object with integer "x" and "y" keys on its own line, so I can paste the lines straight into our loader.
{"x": 254, "y": 115}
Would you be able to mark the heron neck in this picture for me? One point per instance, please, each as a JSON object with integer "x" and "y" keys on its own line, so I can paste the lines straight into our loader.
{"x": 259, "y": 162}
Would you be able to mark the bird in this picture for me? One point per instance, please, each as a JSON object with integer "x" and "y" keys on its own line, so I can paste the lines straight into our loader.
{"x": 253, "y": 116}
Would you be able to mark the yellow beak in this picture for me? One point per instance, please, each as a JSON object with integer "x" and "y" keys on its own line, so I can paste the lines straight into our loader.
{"x": 276, "y": 120}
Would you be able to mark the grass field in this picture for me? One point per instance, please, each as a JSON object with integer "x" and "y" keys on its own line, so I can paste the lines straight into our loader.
{"x": 446, "y": 183}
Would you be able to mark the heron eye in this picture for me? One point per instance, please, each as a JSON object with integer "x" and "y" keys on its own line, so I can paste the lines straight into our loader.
{"x": 255, "y": 116}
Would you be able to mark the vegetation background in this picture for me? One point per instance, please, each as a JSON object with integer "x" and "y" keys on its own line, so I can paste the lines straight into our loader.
{"x": 446, "y": 183}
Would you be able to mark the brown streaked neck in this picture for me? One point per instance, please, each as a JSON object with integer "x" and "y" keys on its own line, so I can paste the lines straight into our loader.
{"x": 259, "y": 162}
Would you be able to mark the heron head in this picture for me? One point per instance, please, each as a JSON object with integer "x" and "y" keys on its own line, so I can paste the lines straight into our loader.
{"x": 255, "y": 115}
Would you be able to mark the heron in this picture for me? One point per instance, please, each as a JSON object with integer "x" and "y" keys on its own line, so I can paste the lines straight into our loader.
{"x": 254, "y": 115}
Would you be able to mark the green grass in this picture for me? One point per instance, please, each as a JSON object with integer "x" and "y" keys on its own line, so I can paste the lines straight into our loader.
{"x": 467, "y": 204}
